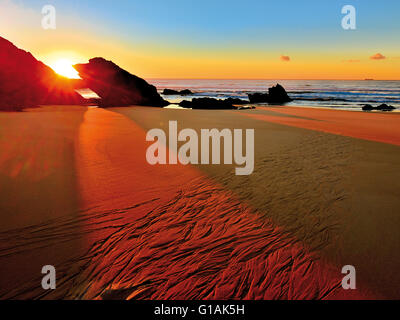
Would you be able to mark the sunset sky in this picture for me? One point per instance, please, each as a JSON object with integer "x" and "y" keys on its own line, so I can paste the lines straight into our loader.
{"x": 253, "y": 39}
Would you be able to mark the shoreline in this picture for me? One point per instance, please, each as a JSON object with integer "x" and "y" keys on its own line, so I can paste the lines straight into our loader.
{"x": 396, "y": 111}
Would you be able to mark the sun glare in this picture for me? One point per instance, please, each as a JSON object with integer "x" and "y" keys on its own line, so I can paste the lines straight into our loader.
{"x": 64, "y": 68}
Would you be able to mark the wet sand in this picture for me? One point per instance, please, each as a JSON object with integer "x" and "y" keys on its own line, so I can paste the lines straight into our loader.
{"x": 78, "y": 193}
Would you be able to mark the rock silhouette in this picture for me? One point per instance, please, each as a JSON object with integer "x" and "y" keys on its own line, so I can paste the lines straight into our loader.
{"x": 170, "y": 92}
{"x": 186, "y": 92}
{"x": 382, "y": 107}
{"x": 258, "y": 97}
{"x": 385, "y": 107}
{"x": 236, "y": 101}
{"x": 368, "y": 107}
{"x": 211, "y": 103}
{"x": 117, "y": 87}
{"x": 27, "y": 82}
{"x": 276, "y": 94}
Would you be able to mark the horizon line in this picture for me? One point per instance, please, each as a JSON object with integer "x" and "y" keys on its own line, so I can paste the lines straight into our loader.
{"x": 269, "y": 79}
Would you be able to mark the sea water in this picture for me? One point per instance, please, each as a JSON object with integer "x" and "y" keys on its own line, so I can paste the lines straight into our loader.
{"x": 338, "y": 94}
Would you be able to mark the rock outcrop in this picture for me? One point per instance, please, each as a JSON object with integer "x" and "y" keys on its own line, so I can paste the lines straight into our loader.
{"x": 368, "y": 107}
{"x": 385, "y": 107}
{"x": 258, "y": 97}
{"x": 117, "y": 87}
{"x": 236, "y": 101}
{"x": 185, "y": 92}
{"x": 382, "y": 107}
{"x": 27, "y": 82}
{"x": 276, "y": 94}
{"x": 171, "y": 92}
{"x": 211, "y": 103}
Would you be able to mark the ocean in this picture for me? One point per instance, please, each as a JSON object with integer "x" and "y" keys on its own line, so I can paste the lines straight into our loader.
{"x": 338, "y": 94}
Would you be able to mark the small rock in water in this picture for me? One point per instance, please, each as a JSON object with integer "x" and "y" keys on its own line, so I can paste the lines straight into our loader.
{"x": 382, "y": 107}
{"x": 170, "y": 92}
{"x": 258, "y": 97}
{"x": 236, "y": 101}
{"x": 212, "y": 103}
{"x": 368, "y": 107}
{"x": 186, "y": 92}
{"x": 276, "y": 94}
{"x": 385, "y": 107}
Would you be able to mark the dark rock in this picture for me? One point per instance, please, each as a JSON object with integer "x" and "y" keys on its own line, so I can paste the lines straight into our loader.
{"x": 207, "y": 103}
{"x": 27, "y": 82}
{"x": 185, "y": 104}
{"x": 236, "y": 101}
{"x": 170, "y": 92}
{"x": 258, "y": 97}
{"x": 382, "y": 107}
{"x": 385, "y": 107}
{"x": 117, "y": 87}
{"x": 276, "y": 94}
{"x": 185, "y": 92}
{"x": 368, "y": 107}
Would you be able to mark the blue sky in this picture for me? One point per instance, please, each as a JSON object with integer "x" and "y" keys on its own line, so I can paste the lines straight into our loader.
{"x": 251, "y": 29}
{"x": 213, "y": 21}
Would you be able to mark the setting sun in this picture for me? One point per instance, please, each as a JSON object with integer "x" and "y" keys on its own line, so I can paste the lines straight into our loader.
{"x": 64, "y": 68}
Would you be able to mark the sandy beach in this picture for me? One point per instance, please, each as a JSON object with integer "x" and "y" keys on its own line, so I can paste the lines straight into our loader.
{"x": 78, "y": 193}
